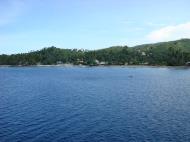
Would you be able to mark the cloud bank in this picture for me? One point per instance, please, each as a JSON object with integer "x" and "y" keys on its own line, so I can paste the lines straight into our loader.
{"x": 170, "y": 33}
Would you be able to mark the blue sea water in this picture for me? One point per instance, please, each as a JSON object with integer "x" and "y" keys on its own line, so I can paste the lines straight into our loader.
{"x": 97, "y": 104}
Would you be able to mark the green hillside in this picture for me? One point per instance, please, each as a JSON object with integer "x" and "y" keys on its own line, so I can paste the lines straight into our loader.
{"x": 183, "y": 44}
{"x": 172, "y": 53}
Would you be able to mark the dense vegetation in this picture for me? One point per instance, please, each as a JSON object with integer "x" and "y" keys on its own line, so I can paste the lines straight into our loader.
{"x": 173, "y": 53}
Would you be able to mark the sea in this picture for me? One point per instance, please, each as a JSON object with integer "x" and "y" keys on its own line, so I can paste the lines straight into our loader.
{"x": 95, "y": 104}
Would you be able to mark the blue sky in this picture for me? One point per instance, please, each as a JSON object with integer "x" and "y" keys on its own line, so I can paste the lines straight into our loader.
{"x": 27, "y": 25}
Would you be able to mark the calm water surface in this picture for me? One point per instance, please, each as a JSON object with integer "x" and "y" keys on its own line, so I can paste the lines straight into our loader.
{"x": 100, "y": 104}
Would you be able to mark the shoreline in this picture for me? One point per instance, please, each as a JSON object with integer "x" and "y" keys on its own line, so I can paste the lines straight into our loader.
{"x": 71, "y": 65}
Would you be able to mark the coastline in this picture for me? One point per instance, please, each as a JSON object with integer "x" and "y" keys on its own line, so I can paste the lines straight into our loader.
{"x": 84, "y": 66}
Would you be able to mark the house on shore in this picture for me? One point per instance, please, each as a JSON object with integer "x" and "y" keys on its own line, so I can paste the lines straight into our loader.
{"x": 102, "y": 63}
{"x": 188, "y": 64}
{"x": 59, "y": 62}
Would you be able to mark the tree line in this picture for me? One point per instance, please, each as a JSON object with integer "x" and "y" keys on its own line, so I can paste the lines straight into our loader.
{"x": 170, "y": 54}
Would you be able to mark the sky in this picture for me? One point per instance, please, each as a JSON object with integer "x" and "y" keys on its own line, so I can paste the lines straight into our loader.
{"x": 28, "y": 25}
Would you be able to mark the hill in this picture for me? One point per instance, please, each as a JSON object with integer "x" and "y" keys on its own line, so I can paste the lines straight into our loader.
{"x": 184, "y": 44}
{"x": 172, "y": 53}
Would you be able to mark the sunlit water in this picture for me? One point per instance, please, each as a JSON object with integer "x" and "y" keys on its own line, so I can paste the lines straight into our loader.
{"x": 98, "y": 104}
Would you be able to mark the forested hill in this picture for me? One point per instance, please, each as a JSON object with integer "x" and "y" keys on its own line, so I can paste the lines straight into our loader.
{"x": 173, "y": 53}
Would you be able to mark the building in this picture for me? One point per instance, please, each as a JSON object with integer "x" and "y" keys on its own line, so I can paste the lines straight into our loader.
{"x": 143, "y": 54}
{"x": 102, "y": 63}
{"x": 59, "y": 62}
{"x": 188, "y": 63}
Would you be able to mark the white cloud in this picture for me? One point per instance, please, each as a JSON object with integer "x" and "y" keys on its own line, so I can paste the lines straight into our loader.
{"x": 170, "y": 33}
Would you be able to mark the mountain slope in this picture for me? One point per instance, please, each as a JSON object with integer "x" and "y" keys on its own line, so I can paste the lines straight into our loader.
{"x": 183, "y": 44}
{"x": 173, "y": 53}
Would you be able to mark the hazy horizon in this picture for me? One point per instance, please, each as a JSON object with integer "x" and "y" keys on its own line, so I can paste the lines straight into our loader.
{"x": 32, "y": 25}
